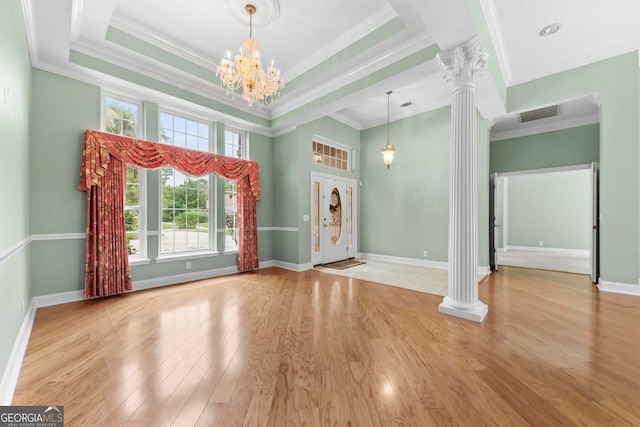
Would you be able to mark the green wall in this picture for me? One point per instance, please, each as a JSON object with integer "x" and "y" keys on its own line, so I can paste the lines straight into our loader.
{"x": 286, "y": 172}
{"x": 15, "y": 102}
{"x": 62, "y": 110}
{"x": 574, "y": 146}
{"x": 616, "y": 80}
{"x": 405, "y": 209}
{"x": 292, "y": 170}
{"x": 553, "y": 208}
{"x": 411, "y": 198}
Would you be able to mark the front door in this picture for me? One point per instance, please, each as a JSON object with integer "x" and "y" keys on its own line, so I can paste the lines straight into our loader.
{"x": 333, "y": 214}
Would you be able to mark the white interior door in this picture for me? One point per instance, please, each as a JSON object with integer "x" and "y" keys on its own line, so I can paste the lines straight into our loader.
{"x": 333, "y": 219}
{"x": 595, "y": 227}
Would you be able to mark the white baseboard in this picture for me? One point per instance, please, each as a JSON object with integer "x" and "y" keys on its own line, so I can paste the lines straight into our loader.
{"x": 156, "y": 282}
{"x": 618, "y": 288}
{"x": 266, "y": 264}
{"x": 294, "y": 267}
{"x": 583, "y": 252}
{"x": 55, "y": 299}
{"x": 484, "y": 270}
{"x": 14, "y": 364}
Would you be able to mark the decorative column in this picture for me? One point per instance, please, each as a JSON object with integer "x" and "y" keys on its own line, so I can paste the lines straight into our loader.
{"x": 461, "y": 67}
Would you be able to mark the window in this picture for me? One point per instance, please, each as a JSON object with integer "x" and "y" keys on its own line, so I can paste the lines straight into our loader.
{"x": 124, "y": 117}
{"x": 330, "y": 155}
{"x": 185, "y": 214}
{"x": 234, "y": 146}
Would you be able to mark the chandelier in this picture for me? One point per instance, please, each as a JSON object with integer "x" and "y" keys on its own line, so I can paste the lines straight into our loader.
{"x": 388, "y": 150}
{"x": 247, "y": 73}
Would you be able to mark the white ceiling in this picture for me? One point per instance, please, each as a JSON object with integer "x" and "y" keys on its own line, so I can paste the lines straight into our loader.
{"x": 326, "y": 49}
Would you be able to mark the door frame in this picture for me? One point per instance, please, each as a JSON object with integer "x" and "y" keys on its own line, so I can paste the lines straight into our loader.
{"x": 594, "y": 167}
{"x": 352, "y": 251}
{"x": 493, "y": 221}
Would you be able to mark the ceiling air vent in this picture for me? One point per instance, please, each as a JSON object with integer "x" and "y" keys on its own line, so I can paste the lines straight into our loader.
{"x": 540, "y": 113}
{"x": 406, "y": 104}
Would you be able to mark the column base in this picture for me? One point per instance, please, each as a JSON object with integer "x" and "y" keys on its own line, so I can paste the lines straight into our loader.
{"x": 476, "y": 312}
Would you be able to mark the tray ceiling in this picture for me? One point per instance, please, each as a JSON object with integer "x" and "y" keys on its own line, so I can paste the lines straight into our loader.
{"x": 337, "y": 58}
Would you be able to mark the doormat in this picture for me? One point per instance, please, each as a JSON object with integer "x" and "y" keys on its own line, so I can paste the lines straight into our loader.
{"x": 341, "y": 265}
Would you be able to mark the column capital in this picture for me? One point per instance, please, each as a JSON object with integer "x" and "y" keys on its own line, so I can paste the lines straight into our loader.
{"x": 464, "y": 63}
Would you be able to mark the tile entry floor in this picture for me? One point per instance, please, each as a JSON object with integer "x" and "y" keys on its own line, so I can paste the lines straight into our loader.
{"x": 557, "y": 261}
{"x": 414, "y": 277}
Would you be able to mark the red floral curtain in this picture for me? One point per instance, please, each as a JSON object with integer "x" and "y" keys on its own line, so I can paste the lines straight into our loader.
{"x": 103, "y": 176}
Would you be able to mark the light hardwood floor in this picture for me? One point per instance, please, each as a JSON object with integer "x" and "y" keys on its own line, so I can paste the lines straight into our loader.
{"x": 278, "y": 348}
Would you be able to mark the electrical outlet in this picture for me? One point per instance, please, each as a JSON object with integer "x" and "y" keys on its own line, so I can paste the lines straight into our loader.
{"x": 425, "y": 253}
{"x": 540, "y": 243}
{"x": 188, "y": 265}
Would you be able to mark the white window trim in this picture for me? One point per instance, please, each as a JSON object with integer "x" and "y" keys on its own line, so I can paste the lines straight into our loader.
{"x": 244, "y": 138}
{"x": 142, "y": 220}
{"x": 141, "y": 256}
{"x": 179, "y": 256}
{"x": 182, "y": 255}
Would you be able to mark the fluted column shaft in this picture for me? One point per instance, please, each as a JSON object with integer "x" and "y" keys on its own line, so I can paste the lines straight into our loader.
{"x": 461, "y": 66}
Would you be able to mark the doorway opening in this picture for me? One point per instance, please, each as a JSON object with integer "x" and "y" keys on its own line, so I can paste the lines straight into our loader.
{"x": 546, "y": 218}
{"x": 333, "y": 218}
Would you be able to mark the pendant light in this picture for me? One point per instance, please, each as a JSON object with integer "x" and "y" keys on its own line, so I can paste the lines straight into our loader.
{"x": 388, "y": 150}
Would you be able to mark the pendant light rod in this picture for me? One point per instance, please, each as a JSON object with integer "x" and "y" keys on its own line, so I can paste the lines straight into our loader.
{"x": 388, "y": 115}
{"x": 251, "y": 9}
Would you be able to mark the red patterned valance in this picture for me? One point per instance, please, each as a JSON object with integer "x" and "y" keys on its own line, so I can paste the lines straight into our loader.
{"x": 150, "y": 155}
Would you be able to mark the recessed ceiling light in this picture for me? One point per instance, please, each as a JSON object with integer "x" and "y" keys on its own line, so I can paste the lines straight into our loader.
{"x": 549, "y": 29}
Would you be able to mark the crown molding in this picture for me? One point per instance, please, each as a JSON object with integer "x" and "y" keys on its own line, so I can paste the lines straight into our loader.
{"x": 546, "y": 127}
{"x": 372, "y": 64}
{"x": 154, "y": 39}
{"x": 108, "y": 82}
{"x": 346, "y": 120}
{"x": 30, "y": 29}
{"x": 378, "y": 19}
{"x": 497, "y": 38}
{"x": 135, "y": 62}
{"x": 582, "y": 60}
{"x": 283, "y": 131}
{"x": 77, "y": 8}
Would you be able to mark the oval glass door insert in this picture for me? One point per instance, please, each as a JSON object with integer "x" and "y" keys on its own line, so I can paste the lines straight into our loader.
{"x": 335, "y": 213}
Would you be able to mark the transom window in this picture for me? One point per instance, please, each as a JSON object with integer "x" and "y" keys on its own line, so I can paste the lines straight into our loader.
{"x": 184, "y": 203}
{"x": 234, "y": 146}
{"x": 330, "y": 155}
{"x": 124, "y": 117}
